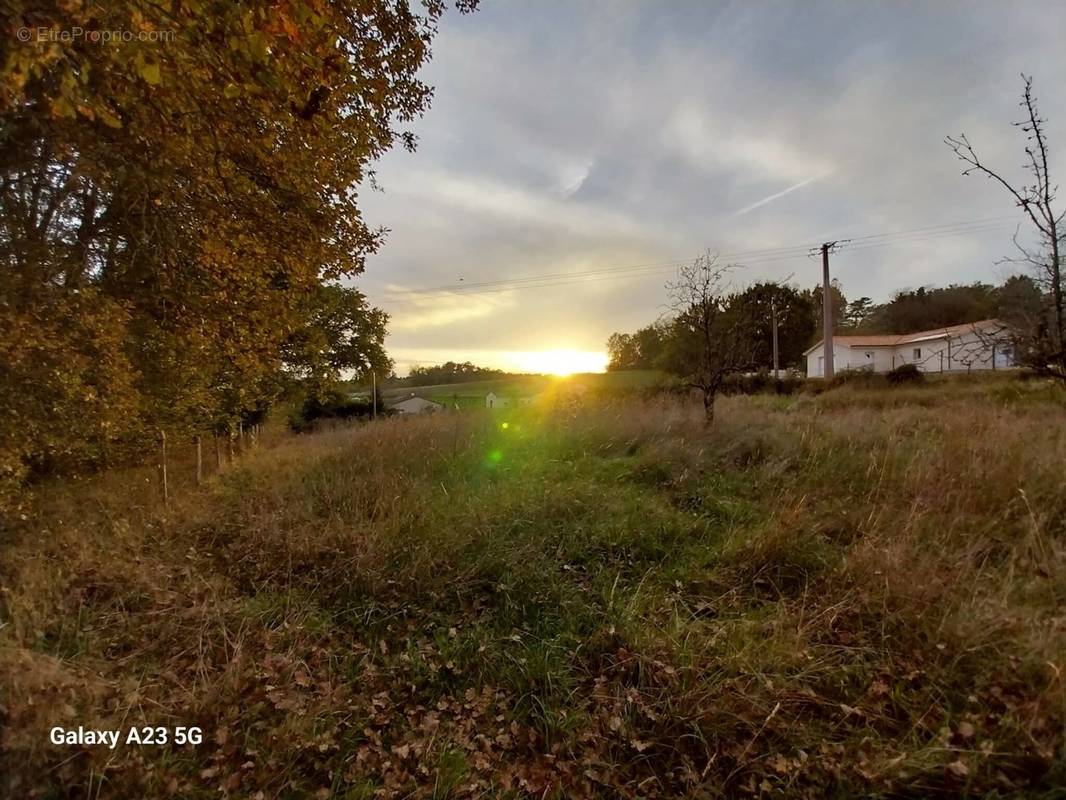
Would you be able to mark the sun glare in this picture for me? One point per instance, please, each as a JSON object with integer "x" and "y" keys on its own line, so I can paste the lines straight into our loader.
{"x": 562, "y": 362}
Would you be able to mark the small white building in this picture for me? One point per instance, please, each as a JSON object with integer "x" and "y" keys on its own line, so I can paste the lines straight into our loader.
{"x": 493, "y": 400}
{"x": 960, "y": 348}
{"x": 416, "y": 405}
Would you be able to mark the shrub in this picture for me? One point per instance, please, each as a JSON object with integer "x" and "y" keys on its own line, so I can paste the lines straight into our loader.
{"x": 856, "y": 377}
{"x": 335, "y": 406}
{"x": 905, "y": 373}
{"x": 760, "y": 382}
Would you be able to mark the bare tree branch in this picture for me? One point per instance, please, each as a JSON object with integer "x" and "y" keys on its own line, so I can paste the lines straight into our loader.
{"x": 1037, "y": 202}
{"x": 710, "y": 339}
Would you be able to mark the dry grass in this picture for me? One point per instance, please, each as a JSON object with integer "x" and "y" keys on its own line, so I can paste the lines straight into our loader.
{"x": 856, "y": 594}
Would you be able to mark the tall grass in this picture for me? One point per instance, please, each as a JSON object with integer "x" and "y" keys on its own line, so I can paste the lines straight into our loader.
{"x": 855, "y": 593}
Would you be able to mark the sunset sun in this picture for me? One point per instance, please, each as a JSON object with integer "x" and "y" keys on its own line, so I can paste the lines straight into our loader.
{"x": 562, "y": 362}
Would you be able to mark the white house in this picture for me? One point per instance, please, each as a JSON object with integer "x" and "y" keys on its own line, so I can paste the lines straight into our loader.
{"x": 416, "y": 405}
{"x": 959, "y": 348}
{"x": 492, "y": 400}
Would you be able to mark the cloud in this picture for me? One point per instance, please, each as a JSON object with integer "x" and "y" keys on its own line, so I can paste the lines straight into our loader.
{"x": 741, "y": 149}
{"x": 573, "y": 176}
{"x": 494, "y": 202}
{"x": 413, "y": 311}
{"x": 567, "y": 137}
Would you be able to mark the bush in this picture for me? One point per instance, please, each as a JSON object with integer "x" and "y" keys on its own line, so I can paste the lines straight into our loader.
{"x": 762, "y": 382}
{"x": 905, "y": 373}
{"x": 335, "y": 405}
{"x": 856, "y": 377}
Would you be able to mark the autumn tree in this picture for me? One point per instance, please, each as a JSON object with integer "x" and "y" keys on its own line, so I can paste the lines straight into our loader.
{"x": 186, "y": 193}
{"x": 711, "y": 336}
{"x": 1035, "y": 195}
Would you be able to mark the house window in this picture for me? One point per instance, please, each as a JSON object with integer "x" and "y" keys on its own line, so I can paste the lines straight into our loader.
{"x": 917, "y": 353}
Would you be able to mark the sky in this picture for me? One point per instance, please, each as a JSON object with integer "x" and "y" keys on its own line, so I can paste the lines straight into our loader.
{"x": 578, "y": 136}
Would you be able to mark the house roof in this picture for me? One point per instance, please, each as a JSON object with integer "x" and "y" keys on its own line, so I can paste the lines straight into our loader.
{"x": 897, "y": 339}
{"x": 416, "y": 403}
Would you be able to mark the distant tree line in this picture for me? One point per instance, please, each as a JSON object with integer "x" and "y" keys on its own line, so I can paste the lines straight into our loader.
{"x": 926, "y": 308}
{"x": 449, "y": 372}
{"x": 799, "y": 313}
{"x": 178, "y": 220}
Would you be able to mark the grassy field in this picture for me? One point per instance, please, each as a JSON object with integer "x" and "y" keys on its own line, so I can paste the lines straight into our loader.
{"x": 858, "y": 593}
{"x": 472, "y": 393}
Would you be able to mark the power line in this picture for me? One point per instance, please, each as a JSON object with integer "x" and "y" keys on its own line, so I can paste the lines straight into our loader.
{"x": 465, "y": 287}
{"x": 583, "y": 278}
{"x": 749, "y": 257}
{"x": 985, "y": 221}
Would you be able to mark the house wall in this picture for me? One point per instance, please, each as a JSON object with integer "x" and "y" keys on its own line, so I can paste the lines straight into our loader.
{"x": 967, "y": 351}
{"x": 934, "y": 356}
{"x": 876, "y": 359}
{"x": 842, "y": 357}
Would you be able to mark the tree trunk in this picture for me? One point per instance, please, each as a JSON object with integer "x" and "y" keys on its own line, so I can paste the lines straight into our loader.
{"x": 199, "y": 460}
{"x": 708, "y": 406}
{"x": 1056, "y": 293}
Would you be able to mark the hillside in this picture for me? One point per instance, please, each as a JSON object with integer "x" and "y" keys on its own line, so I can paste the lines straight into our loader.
{"x": 472, "y": 393}
{"x": 851, "y": 594}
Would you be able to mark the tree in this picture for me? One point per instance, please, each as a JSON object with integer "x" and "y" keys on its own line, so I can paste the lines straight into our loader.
{"x": 640, "y": 350}
{"x": 926, "y": 308}
{"x": 621, "y": 352}
{"x": 203, "y": 188}
{"x": 449, "y": 372}
{"x": 1023, "y": 309}
{"x": 857, "y": 312}
{"x": 710, "y": 335}
{"x": 341, "y": 335}
{"x": 837, "y": 298}
{"x": 795, "y": 321}
{"x": 1036, "y": 199}
{"x": 649, "y": 344}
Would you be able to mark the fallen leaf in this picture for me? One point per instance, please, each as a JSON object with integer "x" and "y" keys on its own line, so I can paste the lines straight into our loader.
{"x": 958, "y": 769}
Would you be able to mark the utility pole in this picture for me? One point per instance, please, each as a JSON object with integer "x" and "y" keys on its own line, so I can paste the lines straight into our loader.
{"x": 773, "y": 315}
{"x": 374, "y": 394}
{"x": 827, "y": 314}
